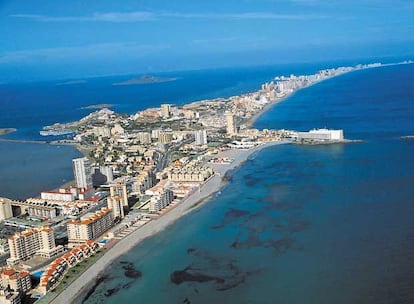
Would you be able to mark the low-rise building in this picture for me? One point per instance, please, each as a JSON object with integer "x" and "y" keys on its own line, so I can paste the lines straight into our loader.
{"x": 190, "y": 174}
{"x": 57, "y": 269}
{"x": 321, "y": 135}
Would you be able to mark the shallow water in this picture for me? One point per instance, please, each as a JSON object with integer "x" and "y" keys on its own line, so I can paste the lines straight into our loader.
{"x": 298, "y": 224}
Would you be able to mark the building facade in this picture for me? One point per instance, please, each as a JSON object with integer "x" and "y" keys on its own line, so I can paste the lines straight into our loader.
{"x": 16, "y": 281}
{"x": 231, "y": 128}
{"x": 165, "y": 111}
{"x": 39, "y": 241}
{"x": 89, "y": 227}
{"x": 82, "y": 172}
{"x": 201, "y": 137}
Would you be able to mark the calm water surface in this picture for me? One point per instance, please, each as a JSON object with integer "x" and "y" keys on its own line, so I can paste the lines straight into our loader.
{"x": 298, "y": 224}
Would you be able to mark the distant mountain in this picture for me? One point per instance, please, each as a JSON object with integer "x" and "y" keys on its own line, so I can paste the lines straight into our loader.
{"x": 145, "y": 79}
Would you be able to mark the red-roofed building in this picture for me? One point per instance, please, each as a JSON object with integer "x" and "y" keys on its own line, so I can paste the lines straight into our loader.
{"x": 17, "y": 281}
{"x": 89, "y": 228}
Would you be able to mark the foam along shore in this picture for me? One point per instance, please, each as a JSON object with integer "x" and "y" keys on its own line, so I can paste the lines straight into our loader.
{"x": 212, "y": 186}
{"x": 4, "y": 131}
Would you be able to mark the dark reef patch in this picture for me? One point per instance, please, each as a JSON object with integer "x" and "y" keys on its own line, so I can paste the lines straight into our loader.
{"x": 228, "y": 176}
{"x": 127, "y": 285}
{"x": 282, "y": 246}
{"x": 253, "y": 182}
{"x": 286, "y": 206}
{"x": 191, "y": 250}
{"x": 111, "y": 292}
{"x": 231, "y": 216}
{"x": 223, "y": 273}
{"x": 131, "y": 272}
{"x": 98, "y": 281}
{"x": 190, "y": 275}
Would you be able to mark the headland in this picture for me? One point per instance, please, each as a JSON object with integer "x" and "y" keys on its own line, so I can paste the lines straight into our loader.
{"x": 4, "y": 131}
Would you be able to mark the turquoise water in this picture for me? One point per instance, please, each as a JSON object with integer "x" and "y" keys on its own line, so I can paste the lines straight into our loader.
{"x": 298, "y": 224}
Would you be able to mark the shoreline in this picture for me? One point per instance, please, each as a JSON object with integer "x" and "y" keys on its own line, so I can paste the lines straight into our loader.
{"x": 5, "y": 131}
{"x": 87, "y": 279}
{"x": 250, "y": 122}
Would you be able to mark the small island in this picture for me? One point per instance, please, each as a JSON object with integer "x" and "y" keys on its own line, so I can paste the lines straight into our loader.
{"x": 4, "y": 131}
{"x": 145, "y": 79}
{"x": 97, "y": 106}
{"x": 70, "y": 82}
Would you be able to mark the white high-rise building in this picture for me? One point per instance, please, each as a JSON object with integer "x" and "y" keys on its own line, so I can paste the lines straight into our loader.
{"x": 165, "y": 110}
{"x": 201, "y": 137}
{"x": 82, "y": 172}
{"x": 119, "y": 188}
{"x": 231, "y": 124}
{"x": 115, "y": 204}
{"x": 108, "y": 172}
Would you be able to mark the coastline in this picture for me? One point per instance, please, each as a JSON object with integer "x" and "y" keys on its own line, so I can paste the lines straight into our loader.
{"x": 87, "y": 279}
{"x": 5, "y": 131}
{"x": 198, "y": 199}
{"x": 250, "y": 122}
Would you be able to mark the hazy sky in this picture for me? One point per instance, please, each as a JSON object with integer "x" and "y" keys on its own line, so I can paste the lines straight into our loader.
{"x": 58, "y": 39}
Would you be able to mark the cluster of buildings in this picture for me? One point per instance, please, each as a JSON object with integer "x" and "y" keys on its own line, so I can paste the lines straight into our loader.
{"x": 58, "y": 268}
{"x": 13, "y": 285}
{"x": 161, "y": 196}
{"x": 137, "y": 164}
{"x": 190, "y": 173}
{"x": 37, "y": 241}
{"x": 89, "y": 227}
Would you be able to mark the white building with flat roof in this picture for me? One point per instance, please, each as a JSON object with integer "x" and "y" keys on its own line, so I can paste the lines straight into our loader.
{"x": 321, "y": 135}
{"x": 82, "y": 172}
{"x": 108, "y": 172}
{"x": 165, "y": 110}
{"x": 201, "y": 137}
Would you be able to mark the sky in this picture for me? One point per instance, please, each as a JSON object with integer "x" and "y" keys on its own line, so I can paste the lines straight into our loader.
{"x": 49, "y": 39}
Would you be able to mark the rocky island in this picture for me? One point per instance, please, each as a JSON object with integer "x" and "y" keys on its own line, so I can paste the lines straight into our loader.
{"x": 145, "y": 79}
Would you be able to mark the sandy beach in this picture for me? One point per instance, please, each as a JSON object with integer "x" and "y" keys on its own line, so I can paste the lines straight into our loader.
{"x": 214, "y": 184}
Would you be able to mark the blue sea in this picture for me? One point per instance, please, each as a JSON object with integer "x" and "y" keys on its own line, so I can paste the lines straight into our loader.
{"x": 295, "y": 224}
{"x": 27, "y": 169}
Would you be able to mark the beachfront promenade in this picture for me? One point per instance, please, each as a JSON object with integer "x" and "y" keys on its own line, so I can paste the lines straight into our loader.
{"x": 213, "y": 185}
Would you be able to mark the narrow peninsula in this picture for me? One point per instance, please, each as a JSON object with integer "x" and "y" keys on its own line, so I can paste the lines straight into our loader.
{"x": 140, "y": 173}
